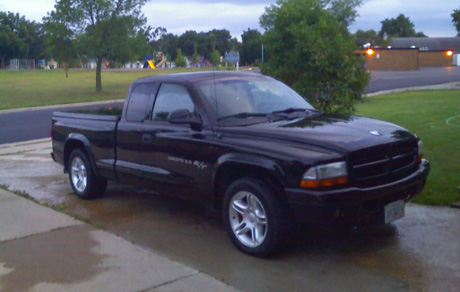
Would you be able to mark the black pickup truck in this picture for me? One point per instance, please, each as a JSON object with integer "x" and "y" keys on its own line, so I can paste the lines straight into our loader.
{"x": 248, "y": 145}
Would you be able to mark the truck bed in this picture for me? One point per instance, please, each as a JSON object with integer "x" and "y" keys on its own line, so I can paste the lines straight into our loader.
{"x": 96, "y": 132}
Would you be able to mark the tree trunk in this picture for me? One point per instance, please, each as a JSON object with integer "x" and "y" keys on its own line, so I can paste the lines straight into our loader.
{"x": 3, "y": 62}
{"x": 98, "y": 75}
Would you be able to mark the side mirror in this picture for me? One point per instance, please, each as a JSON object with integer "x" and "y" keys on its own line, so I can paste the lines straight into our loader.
{"x": 183, "y": 116}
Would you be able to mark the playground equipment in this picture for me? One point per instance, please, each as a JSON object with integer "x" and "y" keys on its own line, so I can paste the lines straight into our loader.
{"x": 149, "y": 62}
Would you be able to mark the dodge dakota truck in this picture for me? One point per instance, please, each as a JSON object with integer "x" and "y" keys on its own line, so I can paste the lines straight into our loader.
{"x": 249, "y": 146}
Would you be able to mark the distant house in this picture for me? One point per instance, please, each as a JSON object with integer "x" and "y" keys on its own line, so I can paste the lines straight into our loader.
{"x": 52, "y": 64}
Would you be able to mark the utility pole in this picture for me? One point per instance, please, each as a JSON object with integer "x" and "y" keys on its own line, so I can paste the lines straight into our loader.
{"x": 262, "y": 53}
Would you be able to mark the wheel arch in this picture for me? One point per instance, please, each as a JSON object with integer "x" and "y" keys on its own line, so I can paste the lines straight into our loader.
{"x": 231, "y": 167}
{"x": 78, "y": 141}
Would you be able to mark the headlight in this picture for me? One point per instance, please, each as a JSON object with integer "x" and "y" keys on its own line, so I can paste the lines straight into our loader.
{"x": 420, "y": 151}
{"x": 325, "y": 175}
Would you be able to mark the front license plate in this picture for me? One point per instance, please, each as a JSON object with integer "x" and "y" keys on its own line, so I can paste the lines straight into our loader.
{"x": 394, "y": 211}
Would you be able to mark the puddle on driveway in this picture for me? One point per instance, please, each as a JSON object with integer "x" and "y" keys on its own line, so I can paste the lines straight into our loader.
{"x": 420, "y": 252}
{"x": 44, "y": 258}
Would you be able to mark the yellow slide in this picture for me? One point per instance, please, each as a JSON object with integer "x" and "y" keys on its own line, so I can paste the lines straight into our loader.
{"x": 152, "y": 66}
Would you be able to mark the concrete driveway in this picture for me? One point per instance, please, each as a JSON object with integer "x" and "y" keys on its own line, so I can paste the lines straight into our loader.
{"x": 420, "y": 252}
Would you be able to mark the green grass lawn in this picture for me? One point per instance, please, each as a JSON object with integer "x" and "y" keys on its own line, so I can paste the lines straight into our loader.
{"x": 27, "y": 88}
{"x": 426, "y": 113}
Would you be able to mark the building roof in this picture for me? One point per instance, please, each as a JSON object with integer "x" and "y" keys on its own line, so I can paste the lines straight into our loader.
{"x": 427, "y": 44}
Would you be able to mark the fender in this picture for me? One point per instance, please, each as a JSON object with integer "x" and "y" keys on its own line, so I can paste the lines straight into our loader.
{"x": 75, "y": 137}
{"x": 248, "y": 160}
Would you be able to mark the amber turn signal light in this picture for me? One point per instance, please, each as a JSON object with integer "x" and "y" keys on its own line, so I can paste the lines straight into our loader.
{"x": 328, "y": 182}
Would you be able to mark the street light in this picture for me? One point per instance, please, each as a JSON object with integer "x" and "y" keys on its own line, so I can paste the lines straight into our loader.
{"x": 370, "y": 52}
{"x": 449, "y": 53}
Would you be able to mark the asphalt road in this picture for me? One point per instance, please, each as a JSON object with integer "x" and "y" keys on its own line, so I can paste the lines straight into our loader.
{"x": 35, "y": 124}
{"x": 387, "y": 80}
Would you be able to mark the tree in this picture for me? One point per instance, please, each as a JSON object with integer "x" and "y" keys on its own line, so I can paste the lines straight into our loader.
{"x": 343, "y": 10}
{"x": 19, "y": 38}
{"x": 400, "y": 26}
{"x": 222, "y": 38}
{"x": 187, "y": 42}
{"x": 195, "y": 56}
{"x": 456, "y": 20}
{"x": 60, "y": 43}
{"x": 235, "y": 45}
{"x": 104, "y": 29}
{"x": 180, "y": 59}
{"x": 313, "y": 53}
{"x": 167, "y": 43}
{"x": 368, "y": 37}
{"x": 215, "y": 57}
{"x": 251, "y": 48}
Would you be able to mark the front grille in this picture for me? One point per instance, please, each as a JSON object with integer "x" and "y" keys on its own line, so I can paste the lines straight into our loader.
{"x": 383, "y": 163}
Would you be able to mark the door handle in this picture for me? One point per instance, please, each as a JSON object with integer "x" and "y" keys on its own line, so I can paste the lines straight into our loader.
{"x": 147, "y": 138}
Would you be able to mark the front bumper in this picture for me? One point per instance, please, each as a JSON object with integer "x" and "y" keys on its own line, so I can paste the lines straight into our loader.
{"x": 353, "y": 204}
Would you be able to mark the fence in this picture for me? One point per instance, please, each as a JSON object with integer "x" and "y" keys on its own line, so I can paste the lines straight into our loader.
{"x": 22, "y": 64}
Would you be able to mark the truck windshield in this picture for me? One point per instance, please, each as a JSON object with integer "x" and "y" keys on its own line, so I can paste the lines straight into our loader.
{"x": 254, "y": 96}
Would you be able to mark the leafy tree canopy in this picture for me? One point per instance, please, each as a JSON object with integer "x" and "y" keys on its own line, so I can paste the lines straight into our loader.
{"x": 456, "y": 20}
{"x": 180, "y": 59}
{"x": 368, "y": 37}
{"x": 104, "y": 29}
{"x": 251, "y": 48}
{"x": 19, "y": 38}
{"x": 313, "y": 53}
{"x": 343, "y": 10}
{"x": 400, "y": 26}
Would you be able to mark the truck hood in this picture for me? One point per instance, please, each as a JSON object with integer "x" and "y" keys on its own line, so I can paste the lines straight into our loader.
{"x": 344, "y": 135}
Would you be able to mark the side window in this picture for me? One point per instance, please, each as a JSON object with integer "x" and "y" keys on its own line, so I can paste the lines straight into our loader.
{"x": 139, "y": 101}
{"x": 171, "y": 97}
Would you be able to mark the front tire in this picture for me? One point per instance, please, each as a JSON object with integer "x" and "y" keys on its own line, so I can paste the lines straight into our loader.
{"x": 82, "y": 178}
{"x": 255, "y": 219}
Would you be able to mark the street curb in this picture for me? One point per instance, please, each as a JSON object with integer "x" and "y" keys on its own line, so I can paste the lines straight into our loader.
{"x": 451, "y": 85}
{"x": 25, "y": 109}
{"x": 25, "y": 143}
{"x": 24, "y": 146}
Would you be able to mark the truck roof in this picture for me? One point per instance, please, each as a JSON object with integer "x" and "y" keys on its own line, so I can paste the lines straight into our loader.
{"x": 198, "y": 76}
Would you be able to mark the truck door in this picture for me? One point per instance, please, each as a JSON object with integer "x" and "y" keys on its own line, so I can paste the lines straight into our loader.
{"x": 129, "y": 132}
{"x": 174, "y": 160}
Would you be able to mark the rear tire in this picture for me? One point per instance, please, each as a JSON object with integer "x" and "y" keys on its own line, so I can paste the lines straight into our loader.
{"x": 82, "y": 178}
{"x": 256, "y": 221}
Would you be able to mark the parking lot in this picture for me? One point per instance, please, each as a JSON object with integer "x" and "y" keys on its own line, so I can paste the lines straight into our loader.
{"x": 420, "y": 252}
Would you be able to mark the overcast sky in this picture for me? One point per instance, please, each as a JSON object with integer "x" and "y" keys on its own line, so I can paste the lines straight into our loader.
{"x": 429, "y": 16}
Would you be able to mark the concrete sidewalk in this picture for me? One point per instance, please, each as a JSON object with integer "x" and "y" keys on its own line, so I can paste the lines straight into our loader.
{"x": 44, "y": 250}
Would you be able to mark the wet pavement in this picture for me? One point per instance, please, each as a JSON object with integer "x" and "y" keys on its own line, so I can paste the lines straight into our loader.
{"x": 420, "y": 252}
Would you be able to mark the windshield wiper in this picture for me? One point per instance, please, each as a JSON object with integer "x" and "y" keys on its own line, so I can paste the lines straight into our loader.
{"x": 242, "y": 116}
{"x": 291, "y": 110}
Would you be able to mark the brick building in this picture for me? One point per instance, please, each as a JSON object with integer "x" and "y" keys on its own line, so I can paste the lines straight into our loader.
{"x": 412, "y": 53}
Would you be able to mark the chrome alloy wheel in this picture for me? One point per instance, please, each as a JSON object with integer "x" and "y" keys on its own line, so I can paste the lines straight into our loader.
{"x": 79, "y": 175}
{"x": 248, "y": 219}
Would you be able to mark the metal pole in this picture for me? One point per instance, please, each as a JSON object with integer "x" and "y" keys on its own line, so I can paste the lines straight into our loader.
{"x": 262, "y": 53}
